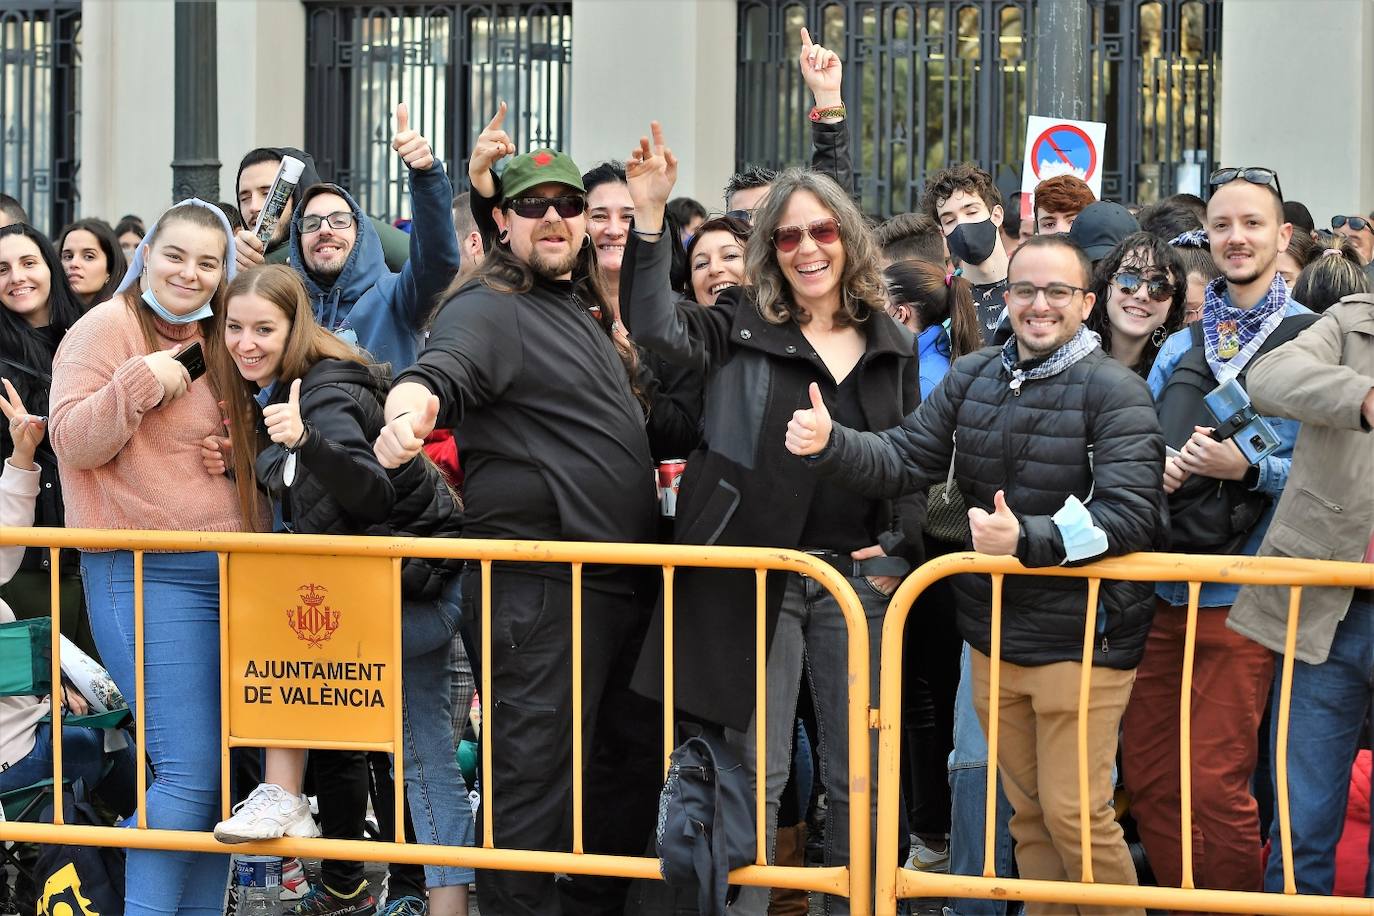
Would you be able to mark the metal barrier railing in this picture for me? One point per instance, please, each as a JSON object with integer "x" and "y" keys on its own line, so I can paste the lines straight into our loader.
{"x": 894, "y": 882}
{"x": 853, "y": 881}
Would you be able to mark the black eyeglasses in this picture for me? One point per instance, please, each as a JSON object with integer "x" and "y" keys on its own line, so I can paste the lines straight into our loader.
{"x": 822, "y": 232}
{"x": 1356, "y": 223}
{"x": 1058, "y": 295}
{"x": 1157, "y": 288}
{"x": 535, "y": 207}
{"x": 1252, "y": 173}
{"x": 339, "y": 219}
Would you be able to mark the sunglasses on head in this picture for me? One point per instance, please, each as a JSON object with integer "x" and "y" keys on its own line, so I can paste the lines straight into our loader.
{"x": 1252, "y": 173}
{"x": 1356, "y": 223}
{"x": 822, "y": 232}
{"x": 1157, "y": 288}
{"x": 535, "y": 207}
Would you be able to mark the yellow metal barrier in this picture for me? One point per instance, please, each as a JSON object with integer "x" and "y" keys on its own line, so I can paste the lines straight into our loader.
{"x": 894, "y": 882}
{"x": 853, "y": 881}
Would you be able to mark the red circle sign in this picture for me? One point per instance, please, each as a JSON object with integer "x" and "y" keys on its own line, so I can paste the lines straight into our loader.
{"x": 1069, "y": 144}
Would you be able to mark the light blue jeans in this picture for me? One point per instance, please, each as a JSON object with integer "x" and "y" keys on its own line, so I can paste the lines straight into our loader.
{"x": 968, "y": 775}
{"x": 434, "y": 783}
{"x": 181, "y": 713}
{"x": 1330, "y": 711}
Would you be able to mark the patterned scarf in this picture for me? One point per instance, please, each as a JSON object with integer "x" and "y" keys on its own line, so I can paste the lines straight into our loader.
{"x": 1079, "y": 346}
{"x": 1232, "y": 336}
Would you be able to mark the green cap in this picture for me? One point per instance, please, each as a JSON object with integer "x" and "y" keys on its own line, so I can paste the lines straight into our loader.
{"x": 541, "y": 166}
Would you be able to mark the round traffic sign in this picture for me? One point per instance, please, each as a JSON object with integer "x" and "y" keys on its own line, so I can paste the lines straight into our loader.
{"x": 1064, "y": 149}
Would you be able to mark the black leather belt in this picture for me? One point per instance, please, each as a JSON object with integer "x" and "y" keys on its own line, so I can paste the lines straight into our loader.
{"x": 875, "y": 566}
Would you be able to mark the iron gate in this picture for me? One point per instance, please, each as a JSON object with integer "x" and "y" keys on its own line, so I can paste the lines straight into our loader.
{"x": 40, "y": 103}
{"x": 452, "y": 62}
{"x": 933, "y": 82}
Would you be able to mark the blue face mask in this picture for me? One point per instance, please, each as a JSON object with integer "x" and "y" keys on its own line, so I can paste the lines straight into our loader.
{"x": 203, "y": 312}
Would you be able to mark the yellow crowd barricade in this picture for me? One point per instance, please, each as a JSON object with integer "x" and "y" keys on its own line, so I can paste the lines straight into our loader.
{"x": 894, "y": 882}
{"x": 310, "y": 585}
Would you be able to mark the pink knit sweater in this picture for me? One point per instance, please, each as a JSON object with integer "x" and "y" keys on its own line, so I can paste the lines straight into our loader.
{"x": 125, "y": 461}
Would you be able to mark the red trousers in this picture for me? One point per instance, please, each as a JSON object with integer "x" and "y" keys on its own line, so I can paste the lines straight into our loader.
{"x": 1231, "y": 681}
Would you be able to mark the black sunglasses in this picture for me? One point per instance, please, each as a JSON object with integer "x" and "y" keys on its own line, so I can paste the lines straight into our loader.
{"x": 1157, "y": 288}
{"x": 1356, "y": 223}
{"x": 1252, "y": 173}
{"x": 535, "y": 207}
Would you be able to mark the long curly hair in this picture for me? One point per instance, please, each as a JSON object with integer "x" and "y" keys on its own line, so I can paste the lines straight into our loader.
{"x": 1139, "y": 247}
{"x": 862, "y": 290}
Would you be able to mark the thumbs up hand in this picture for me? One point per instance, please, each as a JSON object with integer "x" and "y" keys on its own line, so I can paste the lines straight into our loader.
{"x": 283, "y": 421}
{"x": 411, "y": 147}
{"x": 997, "y": 533}
{"x": 808, "y": 431}
{"x": 404, "y": 437}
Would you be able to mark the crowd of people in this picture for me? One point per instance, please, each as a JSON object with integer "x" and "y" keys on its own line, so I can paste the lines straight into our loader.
{"x": 1020, "y": 378}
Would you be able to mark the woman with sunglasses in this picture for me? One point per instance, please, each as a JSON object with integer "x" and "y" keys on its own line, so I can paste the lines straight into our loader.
{"x": 812, "y": 325}
{"x": 1142, "y": 289}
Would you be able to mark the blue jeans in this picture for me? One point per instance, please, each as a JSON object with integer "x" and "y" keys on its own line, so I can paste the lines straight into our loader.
{"x": 181, "y": 715}
{"x": 83, "y": 758}
{"x": 811, "y": 631}
{"x": 968, "y": 775}
{"x": 1330, "y": 709}
{"x": 434, "y": 783}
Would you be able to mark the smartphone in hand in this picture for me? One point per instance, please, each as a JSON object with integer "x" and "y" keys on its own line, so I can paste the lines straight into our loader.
{"x": 193, "y": 358}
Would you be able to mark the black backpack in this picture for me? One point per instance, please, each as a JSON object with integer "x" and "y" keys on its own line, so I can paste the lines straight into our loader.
{"x": 705, "y": 821}
{"x": 1207, "y": 515}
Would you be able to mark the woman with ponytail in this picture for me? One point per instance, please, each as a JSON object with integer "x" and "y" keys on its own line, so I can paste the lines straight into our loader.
{"x": 937, "y": 305}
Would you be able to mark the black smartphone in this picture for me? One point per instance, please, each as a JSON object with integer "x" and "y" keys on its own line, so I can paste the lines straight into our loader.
{"x": 193, "y": 358}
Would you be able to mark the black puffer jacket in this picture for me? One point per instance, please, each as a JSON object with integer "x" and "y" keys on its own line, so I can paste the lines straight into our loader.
{"x": 1033, "y": 444}
{"x": 339, "y": 488}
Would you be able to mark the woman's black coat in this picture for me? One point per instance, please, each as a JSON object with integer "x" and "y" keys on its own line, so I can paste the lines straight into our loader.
{"x": 339, "y": 488}
{"x": 742, "y": 487}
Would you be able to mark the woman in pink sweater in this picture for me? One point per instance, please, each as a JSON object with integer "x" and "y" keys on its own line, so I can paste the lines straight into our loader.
{"x": 127, "y": 420}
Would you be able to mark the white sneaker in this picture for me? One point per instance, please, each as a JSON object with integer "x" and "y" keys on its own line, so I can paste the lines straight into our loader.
{"x": 268, "y": 812}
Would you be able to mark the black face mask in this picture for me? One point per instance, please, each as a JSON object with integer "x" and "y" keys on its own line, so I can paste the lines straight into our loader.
{"x": 972, "y": 243}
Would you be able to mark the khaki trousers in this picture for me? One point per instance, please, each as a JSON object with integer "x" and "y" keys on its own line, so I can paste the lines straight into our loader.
{"x": 1037, "y": 755}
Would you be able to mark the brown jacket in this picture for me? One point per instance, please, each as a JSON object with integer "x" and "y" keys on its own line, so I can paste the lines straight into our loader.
{"x": 1321, "y": 378}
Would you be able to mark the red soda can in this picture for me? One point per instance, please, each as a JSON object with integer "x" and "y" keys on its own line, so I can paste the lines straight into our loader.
{"x": 669, "y": 474}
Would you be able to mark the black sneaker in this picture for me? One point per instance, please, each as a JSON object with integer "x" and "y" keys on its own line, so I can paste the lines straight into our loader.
{"x": 321, "y": 901}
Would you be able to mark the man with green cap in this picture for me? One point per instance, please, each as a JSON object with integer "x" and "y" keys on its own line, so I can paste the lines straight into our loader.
{"x": 554, "y": 448}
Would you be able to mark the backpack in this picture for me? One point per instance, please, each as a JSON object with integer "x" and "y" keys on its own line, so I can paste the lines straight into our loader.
{"x": 705, "y": 821}
{"x": 1207, "y": 515}
{"x": 79, "y": 880}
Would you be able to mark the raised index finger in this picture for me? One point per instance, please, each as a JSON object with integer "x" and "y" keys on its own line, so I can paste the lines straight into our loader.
{"x": 496, "y": 122}
{"x": 656, "y": 129}
{"x": 805, "y": 38}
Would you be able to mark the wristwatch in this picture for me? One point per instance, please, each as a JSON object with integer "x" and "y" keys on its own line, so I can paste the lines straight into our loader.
{"x": 1251, "y": 478}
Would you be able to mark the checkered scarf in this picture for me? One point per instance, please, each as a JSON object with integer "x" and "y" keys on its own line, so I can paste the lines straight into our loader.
{"x": 1252, "y": 325}
{"x": 1078, "y": 346}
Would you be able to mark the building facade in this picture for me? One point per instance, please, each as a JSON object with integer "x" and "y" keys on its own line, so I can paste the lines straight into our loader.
{"x": 86, "y": 90}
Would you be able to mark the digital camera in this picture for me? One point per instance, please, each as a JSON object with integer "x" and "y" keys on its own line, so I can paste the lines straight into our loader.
{"x": 1237, "y": 419}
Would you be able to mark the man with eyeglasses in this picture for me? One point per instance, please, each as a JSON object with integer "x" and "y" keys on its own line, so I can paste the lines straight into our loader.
{"x": 339, "y": 256}
{"x": 554, "y": 448}
{"x": 1360, "y": 230}
{"x": 1219, "y": 504}
{"x": 1057, "y": 451}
